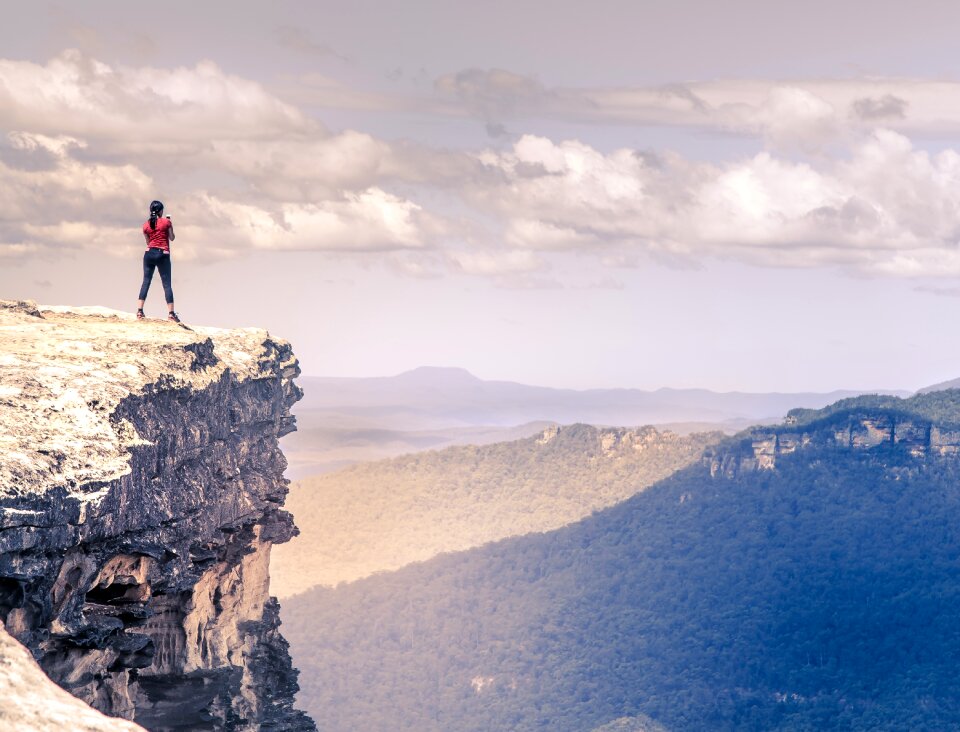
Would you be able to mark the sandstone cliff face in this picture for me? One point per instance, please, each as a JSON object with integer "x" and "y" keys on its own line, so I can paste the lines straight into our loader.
{"x": 141, "y": 490}
{"x": 32, "y": 702}
{"x": 846, "y": 430}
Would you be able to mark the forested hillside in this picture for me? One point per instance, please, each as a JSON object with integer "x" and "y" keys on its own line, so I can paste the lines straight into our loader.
{"x": 822, "y": 593}
{"x": 380, "y": 516}
{"x": 941, "y": 407}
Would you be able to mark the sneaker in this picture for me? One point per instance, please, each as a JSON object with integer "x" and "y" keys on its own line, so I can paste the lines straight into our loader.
{"x": 172, "y": 316}
{"x": 140, "y": 315}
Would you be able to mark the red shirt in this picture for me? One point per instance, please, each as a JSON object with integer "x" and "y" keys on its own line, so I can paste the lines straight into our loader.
{"x": 158, "y": 238}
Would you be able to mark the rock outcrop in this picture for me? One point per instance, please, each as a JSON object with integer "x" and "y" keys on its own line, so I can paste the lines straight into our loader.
{"x": 141, "y": 489}
{"x": 32, "y": 702}
{"x": 848, "y": 429}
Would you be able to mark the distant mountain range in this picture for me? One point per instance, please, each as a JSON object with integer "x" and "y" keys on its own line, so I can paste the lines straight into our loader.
{"x": 942, "y": 386}
{"x": 342, "y": 421}
{"x": 431, "y": 397}
{"x": 801, "y": 577}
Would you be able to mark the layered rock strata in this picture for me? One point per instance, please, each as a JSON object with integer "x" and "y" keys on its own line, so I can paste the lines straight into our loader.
{"x": 141, "y": 488}
{"x": 853, "y": 429}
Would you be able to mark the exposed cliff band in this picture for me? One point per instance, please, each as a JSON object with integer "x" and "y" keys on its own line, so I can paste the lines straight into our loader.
{"x": 855, "y": 428}
{"x": 141, "y": 488}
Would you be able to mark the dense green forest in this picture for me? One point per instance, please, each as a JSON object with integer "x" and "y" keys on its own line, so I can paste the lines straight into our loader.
{"x": 822, "y": 594}
{"x": 382, "y": 515}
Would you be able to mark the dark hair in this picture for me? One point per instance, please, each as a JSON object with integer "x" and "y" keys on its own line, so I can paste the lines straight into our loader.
{"x": 156, "y": 208}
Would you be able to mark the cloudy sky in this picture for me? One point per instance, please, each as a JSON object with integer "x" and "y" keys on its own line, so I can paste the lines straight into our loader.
{"x": 745, "y": 195}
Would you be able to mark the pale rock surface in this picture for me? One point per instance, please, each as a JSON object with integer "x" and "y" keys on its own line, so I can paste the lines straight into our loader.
{"x": 639, "y": 723}
{"x": 141, "y": 490}
{"x": 759, "y": 447}
{"x": 33, "y": 703}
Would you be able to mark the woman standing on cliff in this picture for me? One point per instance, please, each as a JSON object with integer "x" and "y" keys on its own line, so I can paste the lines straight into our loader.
{"x": 158, "y": 233}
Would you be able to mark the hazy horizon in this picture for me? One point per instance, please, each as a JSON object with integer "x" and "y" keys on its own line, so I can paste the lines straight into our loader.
{"x": 475, "y": 375}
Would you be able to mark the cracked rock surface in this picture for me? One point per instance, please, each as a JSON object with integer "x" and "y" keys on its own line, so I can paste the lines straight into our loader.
{"x": 141, "y": 489}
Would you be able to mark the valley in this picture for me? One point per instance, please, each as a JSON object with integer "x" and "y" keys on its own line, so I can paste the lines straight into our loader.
{"x": 815, "y": 591}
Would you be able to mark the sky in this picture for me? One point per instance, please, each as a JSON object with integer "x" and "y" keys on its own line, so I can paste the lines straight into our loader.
{"x": 753, "y": 196}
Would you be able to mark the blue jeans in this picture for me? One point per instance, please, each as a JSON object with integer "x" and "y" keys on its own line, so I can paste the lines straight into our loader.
{"x": 156, "y": 259}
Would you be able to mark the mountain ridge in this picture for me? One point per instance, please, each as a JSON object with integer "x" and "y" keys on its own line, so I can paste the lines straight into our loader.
{"x": 455, "y": 397}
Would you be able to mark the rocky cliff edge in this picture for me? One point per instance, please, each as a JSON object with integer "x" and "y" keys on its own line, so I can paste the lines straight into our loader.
{"x": 141, "y": 488}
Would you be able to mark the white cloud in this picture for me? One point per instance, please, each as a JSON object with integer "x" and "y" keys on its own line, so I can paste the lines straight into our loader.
{"x": 545, "y": 181}
{"x": 58, "y": 146}
{"x": 370, "y": 220}
{"x": 176, "y": 131}
{"x": 794, "y": 116}
{"x": 537, "y": 234}
{"x": 64, "y": 202}
{"x": 303, "y": 168}
{"x": 141, "y": 106}
{"x": 81, "y": 234}
{"x": 888, "y": 208}
{"x": 16, "y": 250}
{"x": 791, "y": 112}
{"x": 202, "y": 118}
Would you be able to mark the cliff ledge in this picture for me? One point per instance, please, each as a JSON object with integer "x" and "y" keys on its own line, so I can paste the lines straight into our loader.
{"x": 141, "y": 488}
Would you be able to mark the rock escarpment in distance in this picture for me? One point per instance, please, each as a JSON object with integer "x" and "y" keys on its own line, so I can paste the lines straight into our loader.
{"x": 924, "y": 424}
{"x": 141, "y": 489}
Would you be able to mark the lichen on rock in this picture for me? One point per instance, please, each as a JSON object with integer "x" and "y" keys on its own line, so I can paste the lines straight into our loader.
{"x": 141, "y": 489}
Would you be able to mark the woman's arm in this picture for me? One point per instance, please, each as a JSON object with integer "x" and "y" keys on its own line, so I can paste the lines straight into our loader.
{"x": 172, "y": 235}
